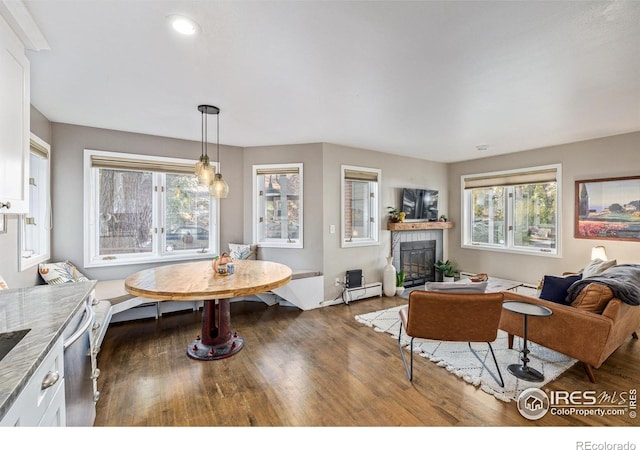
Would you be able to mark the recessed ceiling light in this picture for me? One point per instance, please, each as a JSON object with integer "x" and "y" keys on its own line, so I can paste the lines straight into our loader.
{"x": 183, "y": 25}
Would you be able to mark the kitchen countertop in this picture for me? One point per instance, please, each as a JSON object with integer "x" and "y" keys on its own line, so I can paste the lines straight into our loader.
{"x": 46, "y": 310}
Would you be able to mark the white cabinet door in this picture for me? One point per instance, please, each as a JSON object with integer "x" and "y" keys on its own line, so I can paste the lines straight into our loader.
{"x": 14, "y": 123}
{"x": 42, "y": 400}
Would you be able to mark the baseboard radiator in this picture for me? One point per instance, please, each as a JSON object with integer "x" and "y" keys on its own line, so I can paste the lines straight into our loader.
{"x": 366, "y": 291}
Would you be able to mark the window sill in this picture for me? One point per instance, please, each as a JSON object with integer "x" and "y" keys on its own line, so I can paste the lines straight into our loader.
{"x": 32, "y": 261}
{"x": 371, "y": 243}
{"x": 132, "y": 261}
{"x": 547, "y": 253}
{"x": 296, "y": 244}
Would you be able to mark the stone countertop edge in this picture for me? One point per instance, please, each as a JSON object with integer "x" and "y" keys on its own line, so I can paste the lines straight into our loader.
{"x": 46, "y": 311}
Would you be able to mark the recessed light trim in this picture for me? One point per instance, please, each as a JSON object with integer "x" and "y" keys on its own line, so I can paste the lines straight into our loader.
{"x": 183, "y": 24}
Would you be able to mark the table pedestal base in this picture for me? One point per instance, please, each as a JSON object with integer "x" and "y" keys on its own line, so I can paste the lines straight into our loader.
{"x": 217, "y": 340}
{"x": 525, "y": 372}
{"x": 203, "y": 352}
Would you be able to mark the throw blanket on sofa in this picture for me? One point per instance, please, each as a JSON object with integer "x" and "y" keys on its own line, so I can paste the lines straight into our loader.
{"x": 623, "y": 280}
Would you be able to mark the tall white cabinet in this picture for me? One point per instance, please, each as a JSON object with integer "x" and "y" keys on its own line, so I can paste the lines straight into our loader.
{"x": 14, "y": 123}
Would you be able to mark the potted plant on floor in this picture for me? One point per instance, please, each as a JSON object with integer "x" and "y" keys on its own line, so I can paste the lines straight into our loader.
{"x": 400, "y": 276}
{"x": 448, "y": 270}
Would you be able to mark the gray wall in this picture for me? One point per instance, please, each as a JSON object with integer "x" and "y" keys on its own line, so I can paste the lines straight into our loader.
{"x": 599, "y": 158}
{"x": 397, "y": 172}
{"x": 615, "y": 156}
{"x": 9, "y": 254}
{"x": 310, "y": 155}
{"x": 67, "y": 174}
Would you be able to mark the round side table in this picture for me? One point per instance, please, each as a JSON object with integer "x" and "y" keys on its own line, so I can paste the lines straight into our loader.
{"x": 523, "y": 371}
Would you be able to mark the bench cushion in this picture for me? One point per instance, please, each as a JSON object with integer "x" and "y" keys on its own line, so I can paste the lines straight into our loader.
{"x": 112, "y": 291}
{"x": 298, "y": 274}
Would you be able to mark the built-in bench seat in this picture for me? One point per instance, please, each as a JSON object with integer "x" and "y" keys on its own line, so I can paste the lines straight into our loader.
{"x": 112, "y": 303}
{"x": 305, "y": 290}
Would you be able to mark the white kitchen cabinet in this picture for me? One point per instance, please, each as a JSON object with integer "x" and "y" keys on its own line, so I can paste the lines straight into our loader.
{"x": 14, "y": 123}
{"x": 42, "y": 401}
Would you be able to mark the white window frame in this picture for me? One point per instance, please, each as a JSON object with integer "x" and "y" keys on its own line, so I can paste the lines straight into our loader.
{"x": 91, "y": 259}
{"x": 257, "y": 213}
{"x": 509, "y": 246}
{"x": 374, "y": 209}
{"x": 43, "y": 217}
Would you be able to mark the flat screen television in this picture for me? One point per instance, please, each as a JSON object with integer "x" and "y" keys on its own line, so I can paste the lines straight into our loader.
{"x": 420, "y": 204}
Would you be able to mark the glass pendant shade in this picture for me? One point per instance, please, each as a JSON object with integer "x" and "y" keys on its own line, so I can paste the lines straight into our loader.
{"x": 205, "y": 172}
{"x": 219, "y": 188}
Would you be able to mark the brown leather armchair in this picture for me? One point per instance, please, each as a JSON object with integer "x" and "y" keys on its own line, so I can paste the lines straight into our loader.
{"x": 446, "y": 316}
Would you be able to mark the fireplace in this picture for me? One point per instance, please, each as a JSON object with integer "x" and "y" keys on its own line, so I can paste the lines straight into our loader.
{"x": 417, "y": 259}
{"x": 417, "y": 233}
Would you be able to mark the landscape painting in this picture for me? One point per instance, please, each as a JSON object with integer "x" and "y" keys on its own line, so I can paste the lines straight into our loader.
{"x": 608, "y": 209}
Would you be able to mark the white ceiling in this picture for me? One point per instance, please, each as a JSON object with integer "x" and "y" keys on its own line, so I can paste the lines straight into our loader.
{"x": 428, "y": 79}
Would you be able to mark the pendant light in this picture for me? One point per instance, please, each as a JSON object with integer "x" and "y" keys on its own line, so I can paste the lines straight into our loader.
{"x": 218, "y": 188}
{"x": 204, "y": 170}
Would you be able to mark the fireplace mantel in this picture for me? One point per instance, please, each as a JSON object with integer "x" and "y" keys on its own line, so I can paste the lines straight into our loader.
{"x": 409, "y": 226}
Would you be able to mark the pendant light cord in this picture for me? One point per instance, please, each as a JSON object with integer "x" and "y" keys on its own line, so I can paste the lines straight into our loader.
{"x": 205, "y": 134}
{"x": 202, "y": 135}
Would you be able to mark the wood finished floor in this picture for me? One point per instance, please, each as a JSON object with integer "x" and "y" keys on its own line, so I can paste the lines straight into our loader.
{"x": 308, "y": 368}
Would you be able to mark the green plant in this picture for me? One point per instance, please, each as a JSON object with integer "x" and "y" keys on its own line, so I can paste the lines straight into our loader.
{"x": 394, "y": 214}
{"x": 400, "y": 276}
{"x": 447, "y": 268}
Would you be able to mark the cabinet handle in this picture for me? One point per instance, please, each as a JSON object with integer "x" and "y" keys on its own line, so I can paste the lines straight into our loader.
{"x": 50, "y": 379}
{"x": 5, "y": 205}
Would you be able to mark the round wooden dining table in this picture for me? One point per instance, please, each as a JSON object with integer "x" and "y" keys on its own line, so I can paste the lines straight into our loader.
{"x": 197, "y": 281}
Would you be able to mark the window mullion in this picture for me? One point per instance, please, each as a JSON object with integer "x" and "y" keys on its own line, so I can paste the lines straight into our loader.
{"x": 510, "y": 214}
{"x": 159, "y": 207}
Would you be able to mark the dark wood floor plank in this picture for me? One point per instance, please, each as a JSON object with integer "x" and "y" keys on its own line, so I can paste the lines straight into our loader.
{"x": 308, "y": 368}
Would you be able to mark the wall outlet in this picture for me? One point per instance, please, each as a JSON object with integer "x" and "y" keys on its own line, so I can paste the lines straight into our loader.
{"x": 337, "y": 281}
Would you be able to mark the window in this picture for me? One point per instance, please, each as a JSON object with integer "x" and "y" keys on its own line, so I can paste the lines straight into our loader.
{"x": 145, "y": 208}
{"x": 278, "y": 205}
{"x": 515, "y": 211}
{"x": 360, "y": 216}
{"x": 35, "y": 227}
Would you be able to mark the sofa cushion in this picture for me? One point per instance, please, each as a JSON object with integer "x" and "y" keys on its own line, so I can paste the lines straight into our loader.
{"x": 457, "y": 287}
{"x": 596, "y": 267}
{"x": 240, "y": 251}
{"x": 60, "y": 272}
{"x": 594, "y": 298}
{"x": 554, "y": 289}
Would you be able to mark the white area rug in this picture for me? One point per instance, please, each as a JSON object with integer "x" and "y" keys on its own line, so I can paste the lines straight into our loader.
{"x": 456, "y": 357}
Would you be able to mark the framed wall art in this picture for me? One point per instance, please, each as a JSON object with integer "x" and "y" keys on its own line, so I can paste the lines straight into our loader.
{"x": 608, "y": 208}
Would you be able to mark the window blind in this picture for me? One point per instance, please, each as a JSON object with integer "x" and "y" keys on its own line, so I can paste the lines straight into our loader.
{"x": 140, "y": 165}
{"x": 360, "y": 175}
{"x": 38, "y": 150}
{"x": 511, "y": 179}
{"x": 278, "y": 171}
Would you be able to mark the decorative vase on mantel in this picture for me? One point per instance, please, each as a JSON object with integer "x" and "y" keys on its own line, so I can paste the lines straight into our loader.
{"x": 389, "y": 278}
